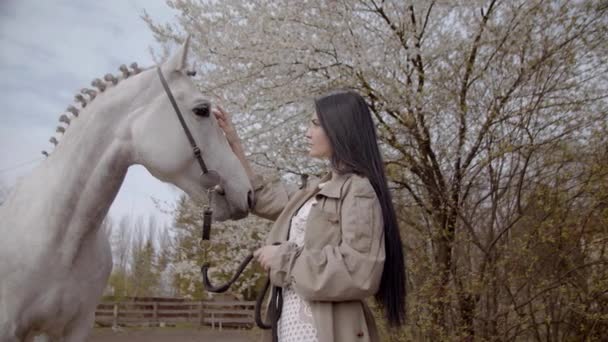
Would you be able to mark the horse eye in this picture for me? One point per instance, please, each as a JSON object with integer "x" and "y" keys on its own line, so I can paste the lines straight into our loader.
{"x": 201, "y": 110}
{"x": 191, "y": 73}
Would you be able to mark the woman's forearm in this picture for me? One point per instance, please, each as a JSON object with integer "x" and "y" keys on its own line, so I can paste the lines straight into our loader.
{"x": 239, "y": 151}
{"x": 225, "y": 123}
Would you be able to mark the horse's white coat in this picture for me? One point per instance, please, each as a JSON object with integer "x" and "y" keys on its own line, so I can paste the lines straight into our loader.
{"x": 54, "y": 259}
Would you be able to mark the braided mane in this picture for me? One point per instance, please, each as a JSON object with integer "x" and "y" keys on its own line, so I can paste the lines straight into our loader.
{"x": 86, "y": 96}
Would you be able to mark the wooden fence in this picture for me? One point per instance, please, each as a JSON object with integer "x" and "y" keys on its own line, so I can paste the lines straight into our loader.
{"x": 167, "y": 311}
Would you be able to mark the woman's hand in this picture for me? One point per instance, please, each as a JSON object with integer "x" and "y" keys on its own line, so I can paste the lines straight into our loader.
{"x": 225, "y": 122}
{"x": 265, "y": 254}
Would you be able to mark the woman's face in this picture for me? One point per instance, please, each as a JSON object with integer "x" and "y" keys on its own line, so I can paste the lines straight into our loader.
{"x": 317, "y": 140}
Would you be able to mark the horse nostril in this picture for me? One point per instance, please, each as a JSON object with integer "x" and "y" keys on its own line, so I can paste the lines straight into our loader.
{"x": 250, "y": 199}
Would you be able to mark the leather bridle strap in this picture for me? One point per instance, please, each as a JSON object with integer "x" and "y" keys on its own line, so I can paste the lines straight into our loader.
{"x": 195, "y": 149}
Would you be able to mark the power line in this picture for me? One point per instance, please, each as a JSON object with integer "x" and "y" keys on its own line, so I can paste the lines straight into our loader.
{"x": 16, "y": 166}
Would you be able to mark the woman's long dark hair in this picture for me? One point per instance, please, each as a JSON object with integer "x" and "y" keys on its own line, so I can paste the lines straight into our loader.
{"x": 347, "y": 121}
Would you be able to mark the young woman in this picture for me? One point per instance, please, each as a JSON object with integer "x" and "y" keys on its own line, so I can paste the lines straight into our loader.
{"x": 339, "y": 239}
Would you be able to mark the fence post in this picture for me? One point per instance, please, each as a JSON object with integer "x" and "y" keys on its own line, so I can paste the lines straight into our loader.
{"x": 115, "y": 319}
{"x": 201, "y": 319}
{"x": 155, "y": 313}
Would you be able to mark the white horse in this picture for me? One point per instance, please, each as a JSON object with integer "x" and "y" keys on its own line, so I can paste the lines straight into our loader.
{"x": 54, "y": 259}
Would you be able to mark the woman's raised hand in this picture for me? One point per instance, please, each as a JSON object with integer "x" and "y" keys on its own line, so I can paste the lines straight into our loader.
{"x": 225, "y": 122}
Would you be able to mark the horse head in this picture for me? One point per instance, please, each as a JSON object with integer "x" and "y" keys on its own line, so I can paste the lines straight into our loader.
{"x": 161, "y": 145}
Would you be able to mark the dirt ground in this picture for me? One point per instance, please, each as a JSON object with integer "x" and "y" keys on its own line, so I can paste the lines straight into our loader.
{"x": 171, "y": 334}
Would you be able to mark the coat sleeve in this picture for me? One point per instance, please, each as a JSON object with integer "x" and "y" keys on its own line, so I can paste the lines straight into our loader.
{"x": 350, "y": 271}
{"x": 270, "y": 197}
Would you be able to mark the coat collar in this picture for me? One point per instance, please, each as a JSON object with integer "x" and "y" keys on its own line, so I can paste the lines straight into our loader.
{"x": 332, "y": 188}
{"x": 333, "y": 184}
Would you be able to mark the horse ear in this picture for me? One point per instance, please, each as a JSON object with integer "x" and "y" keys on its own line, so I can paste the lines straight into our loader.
{"x": 179, "y": 60}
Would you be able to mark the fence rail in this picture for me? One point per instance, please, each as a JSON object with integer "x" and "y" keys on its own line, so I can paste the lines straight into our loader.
{"x": 158, "y": 311}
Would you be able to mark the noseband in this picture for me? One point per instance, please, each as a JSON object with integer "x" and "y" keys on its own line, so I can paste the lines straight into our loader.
{"x": 214, "y": 181}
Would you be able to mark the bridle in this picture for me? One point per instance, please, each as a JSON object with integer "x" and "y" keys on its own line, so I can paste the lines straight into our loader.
{"x": 212, "y": 180}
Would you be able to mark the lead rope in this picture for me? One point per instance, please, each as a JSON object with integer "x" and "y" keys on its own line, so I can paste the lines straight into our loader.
{"x": 276, "y": 299}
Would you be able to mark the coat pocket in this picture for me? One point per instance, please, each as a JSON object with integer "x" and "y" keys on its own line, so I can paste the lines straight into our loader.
{"x": 322, "y": 229}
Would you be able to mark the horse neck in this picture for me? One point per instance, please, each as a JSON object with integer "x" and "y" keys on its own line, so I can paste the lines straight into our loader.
{"x": 80, "y": 179}
{"x": 89, "y": 167}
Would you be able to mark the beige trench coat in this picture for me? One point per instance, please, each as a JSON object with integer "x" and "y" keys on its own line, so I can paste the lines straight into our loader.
{"x": 342, "y": 259}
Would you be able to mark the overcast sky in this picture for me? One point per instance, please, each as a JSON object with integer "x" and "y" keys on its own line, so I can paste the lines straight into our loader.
{"x": 49, "y": 50}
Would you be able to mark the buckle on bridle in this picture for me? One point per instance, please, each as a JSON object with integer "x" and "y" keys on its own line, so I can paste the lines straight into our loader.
{"x": 197, "y": 151}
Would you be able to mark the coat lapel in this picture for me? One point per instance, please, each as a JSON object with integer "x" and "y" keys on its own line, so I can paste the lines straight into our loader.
{"x": 334, "y": 183}
{"x": 280, "y": 229}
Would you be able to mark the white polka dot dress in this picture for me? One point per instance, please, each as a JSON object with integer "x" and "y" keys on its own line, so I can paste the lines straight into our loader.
{"x": 296, "y": 323}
